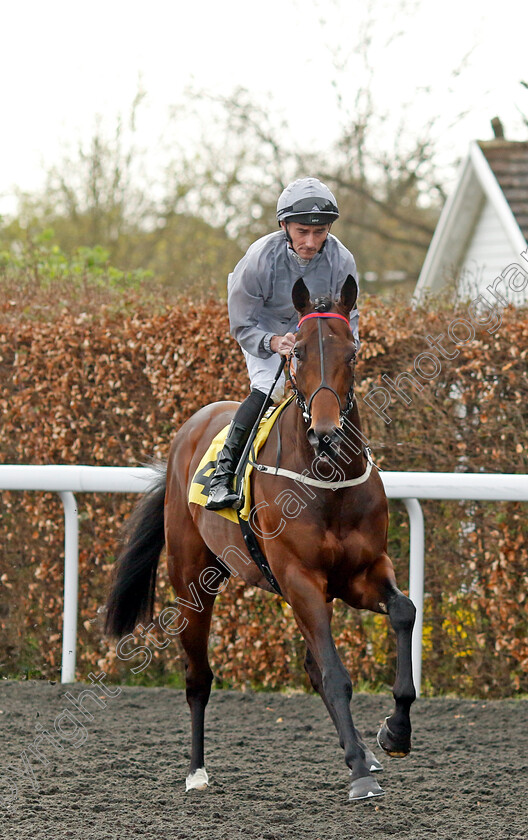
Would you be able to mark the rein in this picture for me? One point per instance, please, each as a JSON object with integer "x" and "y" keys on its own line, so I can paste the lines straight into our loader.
{"x": 249, "y": 537}
{"x": 306, "y": 407}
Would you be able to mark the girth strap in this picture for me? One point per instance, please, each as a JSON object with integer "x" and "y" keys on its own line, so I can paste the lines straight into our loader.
{"x": 257, "y": 555}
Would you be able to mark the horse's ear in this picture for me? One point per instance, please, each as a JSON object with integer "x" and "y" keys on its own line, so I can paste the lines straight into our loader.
{"x": 349, "y": 293}
{"x": 300, "y": 296}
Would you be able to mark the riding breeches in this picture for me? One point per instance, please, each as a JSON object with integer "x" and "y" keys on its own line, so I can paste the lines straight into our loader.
{"x": 262, "y": 373}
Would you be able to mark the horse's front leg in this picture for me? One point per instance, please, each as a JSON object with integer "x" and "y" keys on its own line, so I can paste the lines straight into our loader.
{"x": 312, "y": 669}
{"x": 311, "y": 613}
{"x": 395, "y": 733}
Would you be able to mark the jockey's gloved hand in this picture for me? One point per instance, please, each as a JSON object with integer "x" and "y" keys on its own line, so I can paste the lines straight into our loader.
{"x": 283, "y": 344}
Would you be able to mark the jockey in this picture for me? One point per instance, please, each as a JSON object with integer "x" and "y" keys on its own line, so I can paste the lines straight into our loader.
{"x": 261, "y": 313}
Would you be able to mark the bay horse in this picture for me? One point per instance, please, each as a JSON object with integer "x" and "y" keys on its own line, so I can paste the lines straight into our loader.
{"x": 335, "y": 546}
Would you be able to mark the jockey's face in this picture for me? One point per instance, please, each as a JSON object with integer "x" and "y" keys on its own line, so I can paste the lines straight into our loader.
{"x": 306, "y": 240}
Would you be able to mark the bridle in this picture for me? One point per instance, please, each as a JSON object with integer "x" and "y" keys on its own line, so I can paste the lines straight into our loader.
{"x": 301, "y": 400}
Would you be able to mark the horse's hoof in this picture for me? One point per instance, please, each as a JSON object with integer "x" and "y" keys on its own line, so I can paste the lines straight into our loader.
{"x": 364, "y": 788}
{"x": 388, "y": 742}
{"x": 199, "y": 780}
{"x": 372, "y": 762}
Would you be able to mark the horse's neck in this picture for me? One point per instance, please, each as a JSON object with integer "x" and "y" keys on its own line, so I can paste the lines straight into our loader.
{"x": 350, "y": 460}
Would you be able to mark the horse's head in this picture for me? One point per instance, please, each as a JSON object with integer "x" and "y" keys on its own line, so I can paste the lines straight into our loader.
{"x": 324, "y": 362}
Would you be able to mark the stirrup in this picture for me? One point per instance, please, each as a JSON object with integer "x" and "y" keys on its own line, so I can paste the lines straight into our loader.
{"x": 230, "y": 499}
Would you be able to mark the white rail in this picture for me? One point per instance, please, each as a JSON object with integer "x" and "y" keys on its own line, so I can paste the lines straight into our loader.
{"x": 67, "y": 480}
{"x": 407, "y": 486}
{"x": 411, "y": 486}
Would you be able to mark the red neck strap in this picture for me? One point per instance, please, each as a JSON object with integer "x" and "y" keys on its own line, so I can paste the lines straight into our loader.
{"x": 322, "y": 315}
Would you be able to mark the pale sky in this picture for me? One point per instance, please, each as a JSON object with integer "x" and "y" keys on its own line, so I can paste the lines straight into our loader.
{"x": 63, "y": 62}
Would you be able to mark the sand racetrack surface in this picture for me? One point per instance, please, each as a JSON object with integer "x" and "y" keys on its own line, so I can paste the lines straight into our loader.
{"x": 275, "y": 766}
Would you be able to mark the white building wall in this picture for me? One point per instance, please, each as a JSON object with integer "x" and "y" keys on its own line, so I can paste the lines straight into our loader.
{"x": 476, "y": 239}
{"x": 488, "y": 253}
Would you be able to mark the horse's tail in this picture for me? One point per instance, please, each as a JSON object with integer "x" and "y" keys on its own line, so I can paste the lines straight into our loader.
{"x": 132, "y": 594}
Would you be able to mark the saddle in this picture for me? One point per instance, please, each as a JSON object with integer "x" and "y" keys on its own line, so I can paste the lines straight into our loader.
{"x": 199, "y": 489}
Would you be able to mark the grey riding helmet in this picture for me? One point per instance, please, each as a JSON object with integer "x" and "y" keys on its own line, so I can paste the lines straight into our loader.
{"x": 307, "y": 201}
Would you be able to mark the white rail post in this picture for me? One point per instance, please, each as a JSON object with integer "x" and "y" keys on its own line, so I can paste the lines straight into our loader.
{"x": 416, "y": 583}
{"x": 71, "y": 586}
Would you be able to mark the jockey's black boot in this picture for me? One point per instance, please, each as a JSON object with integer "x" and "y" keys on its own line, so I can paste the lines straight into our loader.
{"x": 221, "y": 493}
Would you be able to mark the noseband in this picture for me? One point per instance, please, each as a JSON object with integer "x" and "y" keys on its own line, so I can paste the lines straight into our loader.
{"x": 306, "y": 407}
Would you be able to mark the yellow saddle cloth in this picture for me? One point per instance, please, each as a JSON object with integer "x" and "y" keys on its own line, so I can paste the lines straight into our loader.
{"x": 199, "y": 489}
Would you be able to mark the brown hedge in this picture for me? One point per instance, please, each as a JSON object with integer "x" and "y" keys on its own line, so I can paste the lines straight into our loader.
{"x": 107, "y": 387}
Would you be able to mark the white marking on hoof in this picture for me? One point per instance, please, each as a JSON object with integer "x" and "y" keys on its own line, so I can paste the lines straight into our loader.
{"x": 199, "y": 780}
{"x": 365, "y": 788}
{"x": 372, "y": 762}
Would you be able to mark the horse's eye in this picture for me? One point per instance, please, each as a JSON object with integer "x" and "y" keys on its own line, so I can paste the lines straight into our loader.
{"x": 351, "y": 358}
{"x": 296, "y": 353}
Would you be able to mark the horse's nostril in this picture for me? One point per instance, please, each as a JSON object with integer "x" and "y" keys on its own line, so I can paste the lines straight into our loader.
{"x": 313, "y": 439}
{"x": 325, "y": 443}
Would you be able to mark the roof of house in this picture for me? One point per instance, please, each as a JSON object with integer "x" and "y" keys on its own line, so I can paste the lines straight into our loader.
{"x": 494, "y": 171}
{"x": 508, "y": 160}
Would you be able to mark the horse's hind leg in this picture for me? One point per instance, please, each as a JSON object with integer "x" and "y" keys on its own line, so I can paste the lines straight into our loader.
{"x": 196, "y": 606}
{"x": 395, "y": 733}
{"x": 198, "y": 680}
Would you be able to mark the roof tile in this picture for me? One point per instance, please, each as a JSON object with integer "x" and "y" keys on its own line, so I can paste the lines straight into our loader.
{"x": 508, "y": 160}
